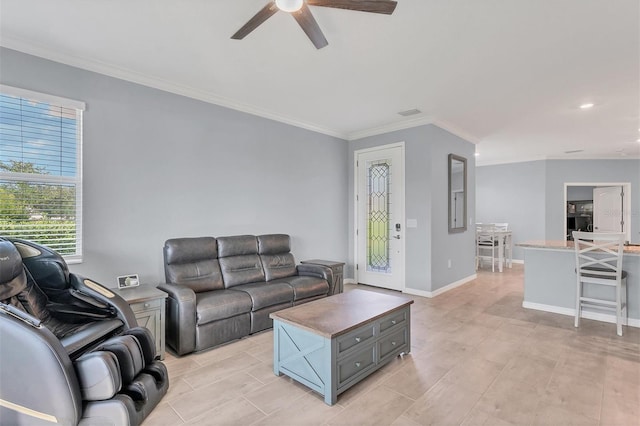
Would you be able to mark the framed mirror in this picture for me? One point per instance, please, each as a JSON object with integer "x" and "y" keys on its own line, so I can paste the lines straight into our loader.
{"x": 457, "y": 193}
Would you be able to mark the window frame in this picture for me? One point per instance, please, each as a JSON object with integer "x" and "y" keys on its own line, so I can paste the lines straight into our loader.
{"x": 36, "y": 178}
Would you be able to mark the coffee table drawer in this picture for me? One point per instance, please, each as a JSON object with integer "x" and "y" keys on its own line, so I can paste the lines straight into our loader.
{"x": 393, "y": 320}
{"x": 392, "y": 343}
{"x": 354, "y": 365}
{"x": 359, "y": 337}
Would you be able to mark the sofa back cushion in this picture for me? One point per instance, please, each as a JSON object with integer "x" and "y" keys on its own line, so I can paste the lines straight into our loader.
{"x": 193, "y": 262}
{"x": 274, "y": 250}
{"x": 239, "y": 260}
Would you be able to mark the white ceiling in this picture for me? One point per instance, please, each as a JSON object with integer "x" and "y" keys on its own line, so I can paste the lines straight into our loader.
{"x": 506, "y": 74}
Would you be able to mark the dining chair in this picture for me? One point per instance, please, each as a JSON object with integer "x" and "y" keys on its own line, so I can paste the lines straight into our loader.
{"x": 599, "y": 263}
{"x": 487, "y": 240}
{"x": 507, "y": 242}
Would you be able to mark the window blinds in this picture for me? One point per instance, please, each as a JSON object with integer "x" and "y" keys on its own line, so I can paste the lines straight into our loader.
{"x": 40, "y": 169}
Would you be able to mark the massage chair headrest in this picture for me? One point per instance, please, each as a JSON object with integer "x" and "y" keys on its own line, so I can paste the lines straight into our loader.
{"x": 12, "y": 277}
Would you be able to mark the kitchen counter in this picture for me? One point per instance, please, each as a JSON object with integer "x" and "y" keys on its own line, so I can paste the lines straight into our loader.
{"x": 568, "y": 245}
{"x": 550, "y": 280}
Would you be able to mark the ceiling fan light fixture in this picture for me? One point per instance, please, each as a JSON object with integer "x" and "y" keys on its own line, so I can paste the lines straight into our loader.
{"x": 289, "y": 5}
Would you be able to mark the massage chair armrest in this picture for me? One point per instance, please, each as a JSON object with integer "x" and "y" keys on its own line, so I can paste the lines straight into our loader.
{"x": 99, "y": 292}
{"x": 41, "y": 355}
{"x": 181, "y": 317}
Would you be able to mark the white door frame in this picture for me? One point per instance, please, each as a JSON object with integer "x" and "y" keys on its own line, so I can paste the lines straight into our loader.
{"x": 402, "y": 219}
{"x": 626, "y": 186}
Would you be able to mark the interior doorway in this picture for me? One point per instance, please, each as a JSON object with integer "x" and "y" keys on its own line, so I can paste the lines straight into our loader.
{"x": 597, "y": 207}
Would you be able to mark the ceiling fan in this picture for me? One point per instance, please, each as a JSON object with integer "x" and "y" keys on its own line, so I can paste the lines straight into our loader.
{"x": 299, "y": 9}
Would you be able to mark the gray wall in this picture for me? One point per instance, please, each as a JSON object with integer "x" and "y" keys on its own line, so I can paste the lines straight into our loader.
{"x": 429, "y": 246}
{"x": 159, "y": 165}
{"x": 580, "y": 193}
{"x": 530, "y": 196}
{"x": 513, "y": 193}
{"x": 586, "y": 171}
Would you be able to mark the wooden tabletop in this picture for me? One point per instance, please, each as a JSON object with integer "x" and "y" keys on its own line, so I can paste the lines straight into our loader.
{"x": 140, "y": 293}
{"x": 341, "y": 313}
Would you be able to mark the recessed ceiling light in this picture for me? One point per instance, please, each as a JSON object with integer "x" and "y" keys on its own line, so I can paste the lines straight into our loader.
{"x": 586, "y": 106}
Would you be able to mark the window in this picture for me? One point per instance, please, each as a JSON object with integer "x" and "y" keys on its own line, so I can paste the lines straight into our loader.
{"x": 41, "y": 170}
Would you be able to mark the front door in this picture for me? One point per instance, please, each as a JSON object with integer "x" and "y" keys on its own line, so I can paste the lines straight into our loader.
{"x": 607, "y": 209}
{"x": 380, "y": 216}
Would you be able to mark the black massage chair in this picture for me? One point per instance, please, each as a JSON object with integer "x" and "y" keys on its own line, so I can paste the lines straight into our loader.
{"x": 71, "y": 351}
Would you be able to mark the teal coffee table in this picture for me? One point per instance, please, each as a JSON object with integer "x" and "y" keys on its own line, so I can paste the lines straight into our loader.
{"x": 333, "y": 343}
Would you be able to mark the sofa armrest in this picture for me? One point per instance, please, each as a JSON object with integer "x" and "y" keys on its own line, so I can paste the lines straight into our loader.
{"x": 319, "y": 271}
{"x": 181, "y": 317}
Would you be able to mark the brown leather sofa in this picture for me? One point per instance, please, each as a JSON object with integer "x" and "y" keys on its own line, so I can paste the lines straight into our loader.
{"x": 224, "y": 288}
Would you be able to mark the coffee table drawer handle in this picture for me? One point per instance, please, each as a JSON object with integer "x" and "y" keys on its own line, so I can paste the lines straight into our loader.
{"x": 393, "y": 322}
{"x": 393, "y": 343}
{"x": 357, "y": 364}
{"x": 358, "y": 339}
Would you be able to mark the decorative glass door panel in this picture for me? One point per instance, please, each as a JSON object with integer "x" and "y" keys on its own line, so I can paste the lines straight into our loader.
{"x": 378, "y": 217}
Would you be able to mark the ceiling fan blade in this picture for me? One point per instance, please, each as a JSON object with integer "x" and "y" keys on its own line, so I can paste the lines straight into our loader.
{"x": 310, "y": 26}
{"x": 374, "y": 6}
{"x": 253, "y": 23}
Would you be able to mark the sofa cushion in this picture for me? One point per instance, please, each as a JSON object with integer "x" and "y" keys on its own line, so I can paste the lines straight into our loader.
{"x": 305, "y": 286}
{"x": 237, "y": 270}
{"x": 274, "y": 244}
{"x": 193, "y": 263}
{"x": 237, "y": 245}
{"x": 267, "y": 294}
{"x": 278, "y": 265}
{"x": 186, "y": 250}
{"x": 220, "y": 304}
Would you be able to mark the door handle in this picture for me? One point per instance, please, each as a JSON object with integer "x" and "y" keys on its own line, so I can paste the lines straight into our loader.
{"x": 397, "y": 237}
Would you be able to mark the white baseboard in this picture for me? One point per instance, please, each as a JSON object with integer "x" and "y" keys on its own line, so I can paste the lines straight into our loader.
{"x": 429, "y": 294}
{"x": 597, "y": 316}
{"x": 519, "y": 261}
{"x": 441, "y": 290}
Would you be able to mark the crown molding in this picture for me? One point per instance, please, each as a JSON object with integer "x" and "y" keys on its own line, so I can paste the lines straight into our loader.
{"x": 410, "y": 123}
{"x": 455, "y": 130}
{"x": 555, "y": 158}
{"x": 157, "y": 83}
{"x": 480, "y": 163}
{"x": 391, "y": 127}
{"x": 604, "y": 157}
{"x": 190, "y": 92}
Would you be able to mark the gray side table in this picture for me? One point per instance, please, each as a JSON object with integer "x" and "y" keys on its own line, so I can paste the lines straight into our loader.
{"x": 148, "y": 305}
{"x": 338, "y": 275}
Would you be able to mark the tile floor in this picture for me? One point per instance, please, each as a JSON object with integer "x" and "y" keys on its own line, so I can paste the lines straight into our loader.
{"x": 477, "y": 358}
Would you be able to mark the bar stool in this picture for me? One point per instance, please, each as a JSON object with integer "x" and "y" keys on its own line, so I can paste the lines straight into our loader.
{"x": 599, "y": 262}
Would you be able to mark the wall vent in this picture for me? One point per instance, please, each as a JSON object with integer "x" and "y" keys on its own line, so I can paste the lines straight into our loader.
{"x": 575, "y": 151}
{"x": 409, "y": 112}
